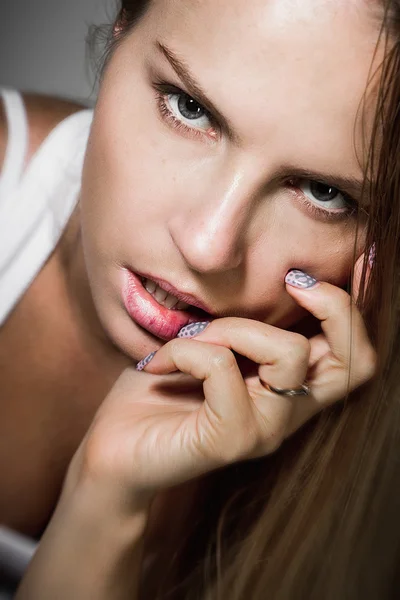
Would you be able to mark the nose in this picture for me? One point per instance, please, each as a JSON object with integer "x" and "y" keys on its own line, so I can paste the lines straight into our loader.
{"x": 210, "y": 230}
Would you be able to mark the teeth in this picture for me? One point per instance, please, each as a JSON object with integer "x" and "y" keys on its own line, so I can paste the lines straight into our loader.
{"x": 170, "y": 301}
{"x": 182, "y": 306}
{"x": 150, "y": 286}
{"x": 160, "y": 295}
{"x": 163, "y": 298}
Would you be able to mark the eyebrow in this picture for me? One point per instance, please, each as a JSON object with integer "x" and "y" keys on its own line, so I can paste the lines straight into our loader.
{"x": 194, "y": 89}
{"x": 352, "y": 186}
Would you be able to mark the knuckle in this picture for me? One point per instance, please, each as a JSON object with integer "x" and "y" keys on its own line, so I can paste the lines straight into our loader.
{"x": 99, "y": 456}
{"x": 222, "y": 359}
{"x": 340, "y": 299}
{"x": 369, "y": 364}
{"x": 224, "y": 325}
{"x": 175, "y": 346}
{"x": 228, "y": 323}
{"x": 302, "y": 345}
{"x": 178, "y": 351}
{"x": 345, "y": 301}
{"x": 337, "y": 302}
{"x": 297, "y": 349}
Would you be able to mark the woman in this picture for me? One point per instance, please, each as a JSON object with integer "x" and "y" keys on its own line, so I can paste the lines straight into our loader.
{"x": 223, "y": 198}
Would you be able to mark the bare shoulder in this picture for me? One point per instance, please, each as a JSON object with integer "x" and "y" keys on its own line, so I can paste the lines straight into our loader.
{"x": 44, "y": 113}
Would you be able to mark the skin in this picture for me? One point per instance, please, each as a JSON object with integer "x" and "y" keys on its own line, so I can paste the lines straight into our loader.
{"x": 286, "y": 104}
{"x": 205, "y": 213}
{"x": 52, "y": 373}
{"x": 211, "y": 213}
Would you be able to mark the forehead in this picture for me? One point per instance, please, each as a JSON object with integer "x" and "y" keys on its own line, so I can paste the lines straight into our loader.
{"x": 251, "y": 35}
{"x": 304, "y": 63}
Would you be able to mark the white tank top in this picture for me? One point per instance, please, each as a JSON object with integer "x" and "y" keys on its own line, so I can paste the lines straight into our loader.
{"x": 35, "y": 203}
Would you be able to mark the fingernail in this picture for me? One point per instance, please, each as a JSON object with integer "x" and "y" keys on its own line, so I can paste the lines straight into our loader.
{"x": 301, "y": 280}
{"x": 193, "y": 329}
{"x": 371, "y": 256}
{"x": 143, "y": 363}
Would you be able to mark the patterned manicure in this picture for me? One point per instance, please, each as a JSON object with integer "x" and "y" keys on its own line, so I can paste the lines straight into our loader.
{"x": 143, "y": 363}
{"x": 193, "y": 329}
{"x": 300, "y": 280}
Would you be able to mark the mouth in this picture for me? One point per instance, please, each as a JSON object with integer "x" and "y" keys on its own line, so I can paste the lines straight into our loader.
{"x": 153, "y": 306}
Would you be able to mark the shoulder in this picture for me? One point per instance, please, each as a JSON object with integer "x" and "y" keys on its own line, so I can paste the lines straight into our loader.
{"x": 44, "y": 113}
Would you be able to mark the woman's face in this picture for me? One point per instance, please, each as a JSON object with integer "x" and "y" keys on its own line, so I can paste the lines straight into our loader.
{"x": 225, "y": 151}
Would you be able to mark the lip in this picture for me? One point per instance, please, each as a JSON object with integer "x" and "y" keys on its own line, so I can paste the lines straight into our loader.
{"x": 158, "y": 320}
{"x": 184, "y": 297}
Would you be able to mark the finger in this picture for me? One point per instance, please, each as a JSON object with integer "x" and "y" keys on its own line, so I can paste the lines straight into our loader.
{"x": 251, "y": 425}
{"x": 214, "y": 365}
{"x": 342, "y": 324}
{"x": 283, "y": 356}
{"x": 319, "y": 348}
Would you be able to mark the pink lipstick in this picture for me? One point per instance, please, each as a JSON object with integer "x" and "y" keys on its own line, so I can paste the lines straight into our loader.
{"x": 158, "y": 320}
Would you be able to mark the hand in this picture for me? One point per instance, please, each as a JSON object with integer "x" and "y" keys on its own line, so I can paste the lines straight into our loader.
{"x": 193, "y": 410}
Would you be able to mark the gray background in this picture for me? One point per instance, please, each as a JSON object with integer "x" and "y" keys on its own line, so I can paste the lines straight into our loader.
{"x": 43, "y": 49}
{"x": 42, "y": 45}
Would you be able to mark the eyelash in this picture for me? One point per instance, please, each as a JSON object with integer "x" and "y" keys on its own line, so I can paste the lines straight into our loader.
{"x": 163, "y": 89}
{"x": 324, "y": 214}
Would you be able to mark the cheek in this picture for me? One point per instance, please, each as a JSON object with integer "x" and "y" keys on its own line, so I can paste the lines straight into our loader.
{"x": 325, "y": 256}
{"x": 325, "y": 250}
{"x": 123, "y": 183}
{"x": 134, "y": 162}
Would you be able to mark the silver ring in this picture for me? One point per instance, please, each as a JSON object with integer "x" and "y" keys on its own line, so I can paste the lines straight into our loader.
{"x": 303, "y": 390}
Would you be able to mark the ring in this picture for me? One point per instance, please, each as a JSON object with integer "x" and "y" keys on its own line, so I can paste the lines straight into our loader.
{"x": 303, "y": 390}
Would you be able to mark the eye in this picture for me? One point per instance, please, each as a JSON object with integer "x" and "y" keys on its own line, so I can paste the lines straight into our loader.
{"x": 187, "y": 110}
{"x": 323, "y": 194}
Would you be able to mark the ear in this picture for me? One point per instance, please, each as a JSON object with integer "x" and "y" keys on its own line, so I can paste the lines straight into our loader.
{"x": 120, "y": 24}
{"x": 358, "y": 269}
